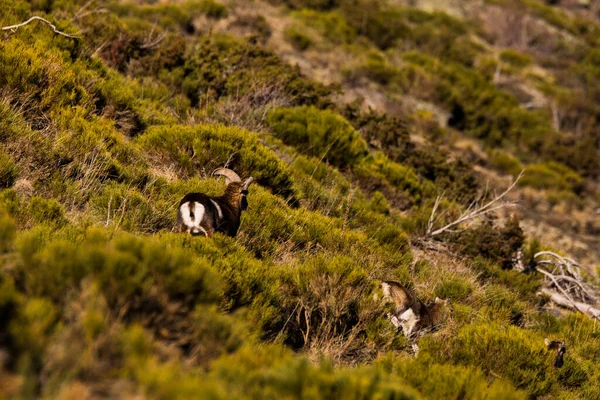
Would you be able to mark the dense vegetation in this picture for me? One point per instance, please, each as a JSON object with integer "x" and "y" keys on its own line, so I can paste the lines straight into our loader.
{"x": 102, "y": 134}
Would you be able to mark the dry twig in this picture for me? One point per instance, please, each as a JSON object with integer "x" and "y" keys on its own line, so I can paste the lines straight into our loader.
{"x": 13, "y": 28}
{"x": 474, "y": 210}
{"x": 149, "y": 42}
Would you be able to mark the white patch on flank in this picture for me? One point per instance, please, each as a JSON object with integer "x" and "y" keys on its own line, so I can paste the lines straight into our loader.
{"x": 218, "y": 208}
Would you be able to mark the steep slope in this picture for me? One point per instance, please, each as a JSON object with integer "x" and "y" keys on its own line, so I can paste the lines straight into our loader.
{"x": 102, "y": 134}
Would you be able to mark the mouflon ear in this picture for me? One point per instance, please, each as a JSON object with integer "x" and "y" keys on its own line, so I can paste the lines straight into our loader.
{"x": 229, "y": 175}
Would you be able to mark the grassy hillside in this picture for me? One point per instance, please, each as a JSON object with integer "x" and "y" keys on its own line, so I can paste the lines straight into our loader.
{"x": 353, "y": 116}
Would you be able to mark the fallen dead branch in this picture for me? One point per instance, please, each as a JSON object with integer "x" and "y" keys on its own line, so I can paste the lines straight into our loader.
{"x": 565, "y": 284}
{"x": 478, "y": 208}
{"x": 584, "y": 308}
{"x": 13, "y": 28}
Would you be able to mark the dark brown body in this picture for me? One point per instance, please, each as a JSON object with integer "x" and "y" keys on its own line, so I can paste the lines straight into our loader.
{"x": 559, "y": 347}
{"x": 199, "y": 213}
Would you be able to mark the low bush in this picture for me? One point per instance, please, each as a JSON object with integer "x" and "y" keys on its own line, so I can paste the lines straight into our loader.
{"x": 46, "y": 211}
{"x": 377, "y": 172}
{"x": 496, "y": 244}
{"x": 198, "y": 151}
{"x": 552, "y": 175}
{"x": 505, "y": 162}
{"x": 330, "y": 25}
{"x": 375, "y": 68}
{"x": 444, "y": 381}
{"x": 321, "y": 134}
{"x": 392, "y": 136}
{"x": 8, "y": 171}
{"x": 515, "y": 59}
{"x": 517, "y": 356}
{"x": 295, "y": 35}
{"x": 202, "y": 77}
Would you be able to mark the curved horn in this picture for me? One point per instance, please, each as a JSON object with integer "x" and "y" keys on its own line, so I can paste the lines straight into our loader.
{"x": 229, "y": 175}
{"x": 247, "y": 183}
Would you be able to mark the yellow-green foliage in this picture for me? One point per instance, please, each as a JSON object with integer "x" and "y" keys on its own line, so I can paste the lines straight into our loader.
{"x": 515, "y": 59}
{"x": 444, "y": 381}
{"x": 101, "y": 136}
{"x": 505, "y": 162}
{"x": 200, "y": 150}
{"x": 8, "y": 171}
{"x": 168, "y": 15}
{"x": 321, "y": 134}
{"x": 222, "y": 66}
{"x": 375, "y": 67}
{"x": 379, "y": 169}
{"x": 331, "y": 25}
{"x": 551, "y": 176}
{"x": 299, "y": 39}
{"x": 521, "y": 357}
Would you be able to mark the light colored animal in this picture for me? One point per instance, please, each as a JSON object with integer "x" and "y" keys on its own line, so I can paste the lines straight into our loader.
{"x": 559, "y": 347}
{"x": 199, "y": 213}
{"x": 410, "y": 314}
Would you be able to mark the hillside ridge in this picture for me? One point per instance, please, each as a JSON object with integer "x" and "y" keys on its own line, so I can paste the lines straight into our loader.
{"x": 382, "y": 137}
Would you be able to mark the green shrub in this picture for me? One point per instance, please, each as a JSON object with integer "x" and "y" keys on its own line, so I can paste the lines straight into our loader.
{"x": 171, "y": 16}
{"x": 392, "y": 136}
{"x": 273, "y": 371}
{"x": 500, "y": 304}
{"x": 374, "y": 68}
{"x": 496, "y": 244}
{"x": 202, "y": 149}
{"x": 221, "y": 66}
{"x": 130, "y": 209}
{"x": 515, "y": 59}
{"x": 125, "y": 266}
{"x": 455, "y": 289}
{"x": 378, "y": 169}
{"x": 505, "y": 162}
{"x": 445, "y": 381}
{"x": 7, "y": 233}
{"x": 46, "y": 211}
{"x": 295, "y": 35}
{"x": 32, "y": 328}
{"x": 8, "y": 171}
{"x": 510, "y": 352}
{"x": 552, "y": 175}
{"x": 330, "y": 25}
{"x": 211, "y": 8}
{"x": 321, "y": 134}
{"x": 527, "y": 285}
{"x": 380, "y": 23}
{"x": 380, "y": 204}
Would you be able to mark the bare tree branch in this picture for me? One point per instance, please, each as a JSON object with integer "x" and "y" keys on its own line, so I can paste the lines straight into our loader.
{"x": 474, "y": 210}
{"x": 13, "y": 28}
{"x": 567, "y": 288}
